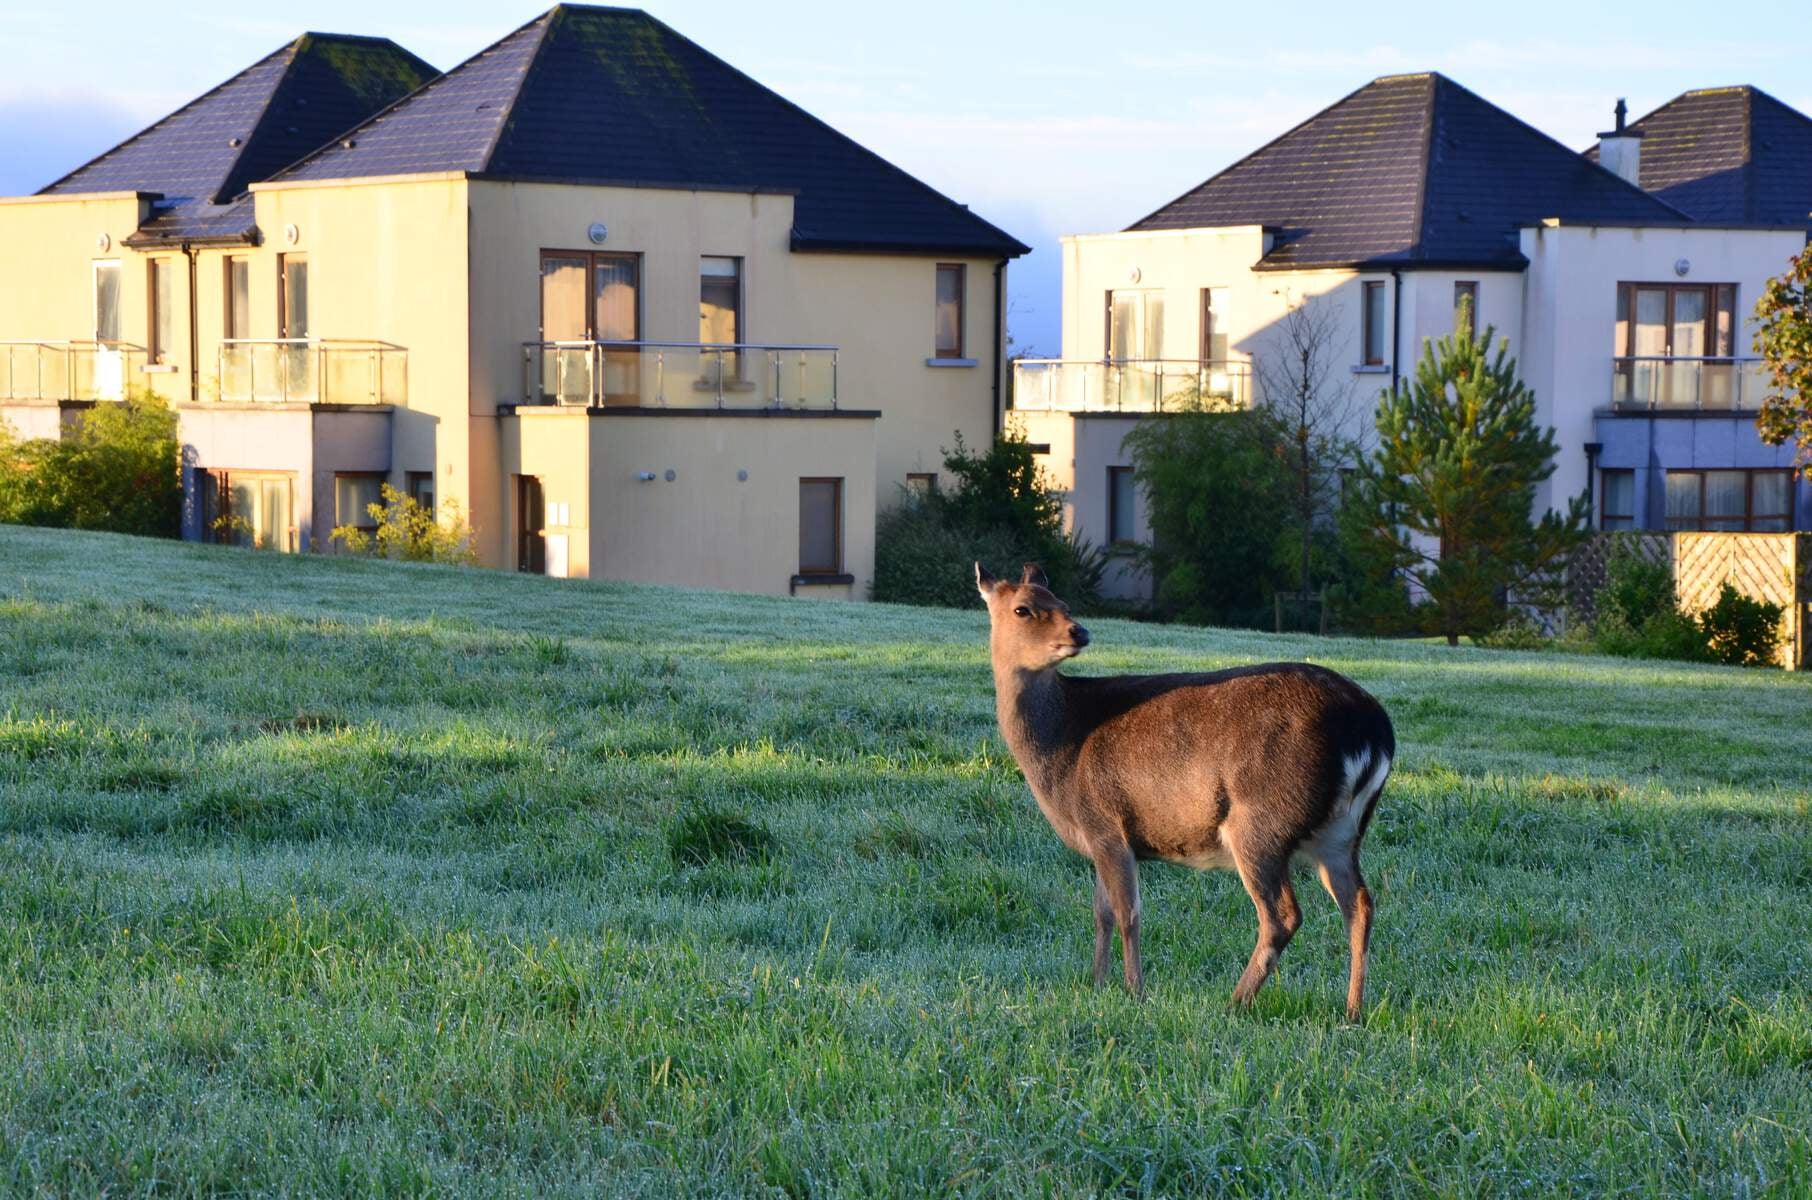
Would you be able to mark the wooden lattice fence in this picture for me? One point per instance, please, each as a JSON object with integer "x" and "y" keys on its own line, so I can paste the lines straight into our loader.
{"x": 1772, "y": 567}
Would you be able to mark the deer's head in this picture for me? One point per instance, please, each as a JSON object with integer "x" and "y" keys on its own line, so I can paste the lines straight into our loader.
{"x": 1031, "y": 629}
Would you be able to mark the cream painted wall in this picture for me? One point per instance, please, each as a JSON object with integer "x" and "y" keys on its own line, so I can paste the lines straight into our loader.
{"x": 706, "y": 527}
{"x": 877, "y": 309}
{"x": 1570, "y": 312}
{"x": 1082, "y": 448}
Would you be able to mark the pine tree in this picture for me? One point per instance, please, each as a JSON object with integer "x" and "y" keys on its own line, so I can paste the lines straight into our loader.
{"x": 1448, "y": 493}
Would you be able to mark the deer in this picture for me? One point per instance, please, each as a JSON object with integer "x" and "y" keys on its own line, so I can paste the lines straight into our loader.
{"x": 1251, "y": 768}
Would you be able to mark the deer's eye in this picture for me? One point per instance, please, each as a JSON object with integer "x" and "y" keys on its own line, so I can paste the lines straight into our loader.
{"x": 1022, "y": 611}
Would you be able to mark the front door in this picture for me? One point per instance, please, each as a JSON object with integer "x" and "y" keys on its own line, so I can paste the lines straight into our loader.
{"x": 531, "y": 525}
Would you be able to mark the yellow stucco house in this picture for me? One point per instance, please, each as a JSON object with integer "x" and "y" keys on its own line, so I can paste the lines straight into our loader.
{"x": 641, "y": 317}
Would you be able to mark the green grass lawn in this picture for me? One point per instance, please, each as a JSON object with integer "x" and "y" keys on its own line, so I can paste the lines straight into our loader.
{"x": 331, "y": 877}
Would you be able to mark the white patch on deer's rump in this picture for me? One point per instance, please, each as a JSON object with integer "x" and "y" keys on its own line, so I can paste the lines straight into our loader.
{"x": 1358, "y": 791}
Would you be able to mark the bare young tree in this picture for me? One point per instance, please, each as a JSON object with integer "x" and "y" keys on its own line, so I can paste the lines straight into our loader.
{"x": 1307, "y": 384}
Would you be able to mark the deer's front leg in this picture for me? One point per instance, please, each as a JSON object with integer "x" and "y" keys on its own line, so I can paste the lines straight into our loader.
{"x": 1104, "y": 930}
{"x": 1117, "y": 874}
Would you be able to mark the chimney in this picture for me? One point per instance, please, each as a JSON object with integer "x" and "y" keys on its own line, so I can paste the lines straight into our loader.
{"x": 1620, "y": 150}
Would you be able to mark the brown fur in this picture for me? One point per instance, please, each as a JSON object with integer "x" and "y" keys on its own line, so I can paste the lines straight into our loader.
{"x": 1245, "y": 768}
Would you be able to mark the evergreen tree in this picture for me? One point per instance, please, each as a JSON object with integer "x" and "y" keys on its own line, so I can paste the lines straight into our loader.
{"x": 1447, "y": 495}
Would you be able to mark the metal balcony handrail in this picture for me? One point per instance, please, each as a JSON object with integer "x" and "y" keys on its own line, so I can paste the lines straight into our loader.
{"x": 309, "y": 368}
{"x": 64, "y": 368}
{"x": 1128, "y": 384}
{"x": 1722, "y": 382}
{"x": 576, "y": 372}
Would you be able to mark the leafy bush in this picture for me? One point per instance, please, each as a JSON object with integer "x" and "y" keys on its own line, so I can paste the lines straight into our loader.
{"x": 1219, "y": 496}
{"x": 117, "y": 469}
{"x": 1741, "y": 631}
{"x": 1635, "y": 588}
{"x": 1519, "y": 632}
{"x": 1002, "y": 511}
{"x": 408, "y": 531}
{"x": 1668, "y": 633}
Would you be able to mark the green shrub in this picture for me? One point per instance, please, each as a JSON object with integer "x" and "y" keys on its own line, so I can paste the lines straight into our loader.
{"x": 1636, "y": 588}
{"x": 1002, "y": 511}
{"x": 117, "y": 469}
{"x": 1519, "y": 632}
{"x": 1741, "y": 631}
{"x": 410, "y": 532}
{"x": 1667, "y": 633}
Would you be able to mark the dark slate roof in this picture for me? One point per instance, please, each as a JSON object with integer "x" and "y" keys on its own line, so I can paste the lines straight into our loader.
{"x": 1731, "y": 154}
{"x": 202, "y": 157}
{"x": 1410, "y": 170}
{"x": 612, "y": 96}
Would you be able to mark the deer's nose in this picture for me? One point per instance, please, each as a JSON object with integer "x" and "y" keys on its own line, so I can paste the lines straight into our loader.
{"x": 1078, "y": 635}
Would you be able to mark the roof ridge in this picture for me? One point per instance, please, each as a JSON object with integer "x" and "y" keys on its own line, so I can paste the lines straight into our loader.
{"x": 547, "y": 20}
{"x": 886, "y": 163}
{"x": 1427, "y": 162}
{"x": 288, "y": 46}
{"x": 1240, "y": 162}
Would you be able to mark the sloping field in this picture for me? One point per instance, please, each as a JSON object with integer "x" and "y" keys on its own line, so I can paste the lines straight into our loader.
{"x": 321, "y": 876}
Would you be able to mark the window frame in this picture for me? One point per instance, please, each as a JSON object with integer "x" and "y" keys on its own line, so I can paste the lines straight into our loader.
{"x": 591, "y": 259}
{"x": 412, "y": 488}
{"x": 810, "y": 570}
{"x": 220, "y": 481}
{"x": 1605, "y": 515}
{"x": 1749, "y": 515}
{"x": 739, "y": 314}
{"x": 231, "y": 299}
{"x": 284, "y": 263}
{"x": 1205, "y": 351}
{"x": 938, "y": 349}
{"x": 1466, "y": 289}
{"x": 365, "y": 523}
{"x": 1721, "y": 342}
{"x": 1372, "y": 325}
{"x": 119, "y": 282}
{"x": 1114, "y": 513}
{"x": 160, "y": 312}
{"x": 921, "y": 483}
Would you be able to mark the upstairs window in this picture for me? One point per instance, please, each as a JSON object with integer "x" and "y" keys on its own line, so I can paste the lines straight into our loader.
{"x": 821, "y": 526}
{"x": 292, "y": 296}
{"x": 950, "y": 293}
{"x": 236, "y": 306}
{"x": 1465, "y": 306}
{"x": 1135, "y": 325}
{"x": 720, "y": 301}
{"x": 107, "y": 301}
{"x": 1676, "y": 320}
{"x": 1214, "y": 325}
{"x": 1372, "y": 322}
{"x": 160, "y": 311}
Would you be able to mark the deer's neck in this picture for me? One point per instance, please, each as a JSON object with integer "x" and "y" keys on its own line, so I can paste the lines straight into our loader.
{"x": 1034, "y": 715}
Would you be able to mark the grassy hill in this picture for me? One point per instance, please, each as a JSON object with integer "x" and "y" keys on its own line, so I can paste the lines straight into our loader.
{"x": 321, "y": 876}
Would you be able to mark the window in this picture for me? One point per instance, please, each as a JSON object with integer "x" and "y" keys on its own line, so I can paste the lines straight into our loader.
{"x": 950, "y": 293}
{"x": 1465, "y": 305}
{"x": 1135, "y": 325}
{"x": 1122, "y": 500}
{"x": 1669, "y": 337}
{"x": 1372, "y": 321}
{"x": 820, "y": 526}
{"x": 353, "y": 496}
{"x": 1753, "y": 501}
{"x": 247, "y": 508}
{"x": 589, "y": 296}
{"x": 531, "y": 526}
{"x": 921, "y": 483}
{"x": 107, "y": 301}
{"x": 236, "y": 306}
{"x": 419, "y": 487}
{"x": 1617, "y": 505}
{"x": 292, "y": 296}
{"x": 160, "y": 311}
{"x": 1214, "y": 325}
{"x": 720, "y": 301}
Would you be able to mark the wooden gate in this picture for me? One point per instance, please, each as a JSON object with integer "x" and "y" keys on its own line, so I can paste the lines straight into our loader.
{"x": 1771, "y": 567}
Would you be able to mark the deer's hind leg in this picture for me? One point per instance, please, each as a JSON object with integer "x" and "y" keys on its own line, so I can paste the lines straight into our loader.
{"x": 1267, "y": 879}
{"x": 1340, "y": 876}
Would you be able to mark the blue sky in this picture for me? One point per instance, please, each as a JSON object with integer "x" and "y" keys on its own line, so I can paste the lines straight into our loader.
{"x": 1046, "y": 118}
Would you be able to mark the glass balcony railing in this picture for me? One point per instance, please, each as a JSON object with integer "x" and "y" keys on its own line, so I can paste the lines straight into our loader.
{"x": 79, "y": 370}
{"x": 320, "y": 371}
{"x": 1130, "y": 385}
{"x": 1713, "y": 384}
{"x": 678, "y": 375}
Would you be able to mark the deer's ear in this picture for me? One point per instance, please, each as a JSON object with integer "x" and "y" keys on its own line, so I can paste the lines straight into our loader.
{"x": 984, "y": 582}
{"x": 1034, "y": 574}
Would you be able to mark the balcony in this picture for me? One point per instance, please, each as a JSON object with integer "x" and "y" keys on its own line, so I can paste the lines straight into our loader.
{"x": 1701, "y": 384}
{"x": 1130, "y": 385}
{"x": 317, "y": 371}
{"x": 80, "y": 370}
{"x": 678, "y": 375}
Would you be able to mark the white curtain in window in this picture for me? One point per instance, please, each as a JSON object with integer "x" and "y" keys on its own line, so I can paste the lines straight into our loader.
{"x": 1683, "y": 499}
{"x": 1724, "y": 499}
